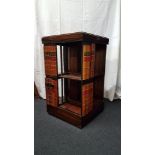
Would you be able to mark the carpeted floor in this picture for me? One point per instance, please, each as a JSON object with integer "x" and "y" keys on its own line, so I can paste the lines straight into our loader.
{"x": 102, "y": 136}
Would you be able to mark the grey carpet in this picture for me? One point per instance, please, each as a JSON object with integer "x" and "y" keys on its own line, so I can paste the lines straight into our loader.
{"x": 102, "y": 136}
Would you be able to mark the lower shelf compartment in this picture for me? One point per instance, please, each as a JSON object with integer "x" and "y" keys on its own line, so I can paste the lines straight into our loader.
{"x": 66, "y": 113}
{"x": 72, "y": 108}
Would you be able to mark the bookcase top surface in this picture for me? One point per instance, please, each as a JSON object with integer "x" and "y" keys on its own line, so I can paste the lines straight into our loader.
{"x": 74, "y": 37}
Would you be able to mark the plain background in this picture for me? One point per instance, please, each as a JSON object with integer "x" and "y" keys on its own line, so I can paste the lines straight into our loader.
{"x": 17, "y": 30}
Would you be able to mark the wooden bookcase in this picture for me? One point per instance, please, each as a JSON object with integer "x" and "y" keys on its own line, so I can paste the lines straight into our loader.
{"x": 74, "y": 68}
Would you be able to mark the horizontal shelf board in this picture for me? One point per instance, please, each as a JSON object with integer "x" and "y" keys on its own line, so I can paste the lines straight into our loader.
{"x": 72, "y": 76}
{"x": 68, "y": 100}
{"x": 72, "y": 108}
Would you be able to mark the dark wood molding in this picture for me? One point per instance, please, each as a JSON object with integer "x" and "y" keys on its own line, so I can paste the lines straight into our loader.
{"x": 75, "y": 37}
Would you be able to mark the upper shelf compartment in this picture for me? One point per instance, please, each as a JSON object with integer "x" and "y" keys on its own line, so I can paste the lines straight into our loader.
{"x": 69, "y": 61}
{"x": 77, "y": 56}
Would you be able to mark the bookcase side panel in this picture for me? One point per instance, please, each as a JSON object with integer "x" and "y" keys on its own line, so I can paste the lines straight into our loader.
{"x": 100, "y": 56}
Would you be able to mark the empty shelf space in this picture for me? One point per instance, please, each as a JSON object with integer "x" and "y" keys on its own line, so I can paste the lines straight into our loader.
{"x": 72, "y": 76}
{"x": 75, "y": 102}
{"x": 72, "y": 108}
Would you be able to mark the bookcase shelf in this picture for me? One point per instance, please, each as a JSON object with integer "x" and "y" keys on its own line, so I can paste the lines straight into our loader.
{"x": 72, "y": 76}
{"x": 74, "y": 68}
{"x": 72, "y": 108}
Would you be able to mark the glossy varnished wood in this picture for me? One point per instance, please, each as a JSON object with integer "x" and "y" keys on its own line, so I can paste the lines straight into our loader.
{"x": 74, "y": 37}
{"x": 70, "y": 103}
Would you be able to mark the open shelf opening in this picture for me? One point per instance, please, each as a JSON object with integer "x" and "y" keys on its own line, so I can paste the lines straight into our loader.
{"x": 70, "y": 95}
{"x": 69, "y": 62}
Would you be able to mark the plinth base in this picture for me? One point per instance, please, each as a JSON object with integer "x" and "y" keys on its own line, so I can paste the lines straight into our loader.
{"x": 73, "y": 118}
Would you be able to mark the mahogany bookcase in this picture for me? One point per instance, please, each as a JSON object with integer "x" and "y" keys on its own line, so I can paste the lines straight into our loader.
{"x": 74, "y": 68}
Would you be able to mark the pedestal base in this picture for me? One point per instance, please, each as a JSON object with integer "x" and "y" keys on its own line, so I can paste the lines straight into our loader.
{"x": 73, "y": 118}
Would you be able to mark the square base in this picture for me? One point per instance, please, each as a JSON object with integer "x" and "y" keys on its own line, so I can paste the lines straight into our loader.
{"x": 73, "y": 118}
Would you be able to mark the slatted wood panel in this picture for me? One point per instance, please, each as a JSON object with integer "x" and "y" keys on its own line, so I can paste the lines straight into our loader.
{"x": 50, "y": 55}
{"x": 52, "y": 92}
{"x": 87, "y": 98}
{"x": 88, "y": 61}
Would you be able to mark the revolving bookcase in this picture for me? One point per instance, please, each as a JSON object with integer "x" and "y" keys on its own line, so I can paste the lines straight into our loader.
{"x": 74, "y": 68}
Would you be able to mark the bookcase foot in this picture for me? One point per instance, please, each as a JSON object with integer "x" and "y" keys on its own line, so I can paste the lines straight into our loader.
{"x": 96, "y": 111}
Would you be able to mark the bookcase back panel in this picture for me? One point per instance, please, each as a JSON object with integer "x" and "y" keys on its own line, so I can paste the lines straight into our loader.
{"x": 74, "y": 90}
{"x": 50, "y": 55}
{"x": 74, "y": 59}
{"x": 51, "y": 92}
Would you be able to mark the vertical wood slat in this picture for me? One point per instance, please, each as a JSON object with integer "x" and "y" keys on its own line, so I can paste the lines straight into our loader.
{"x": 65, "y": 60}
{"x": 65, "y": 56}
{"x": 61, "y": 72}
{"x": 81, "y": 74}
{"x": 68, "y": 58}
{"x": 94, "y": 54}
{"x": 57, "y": 75}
